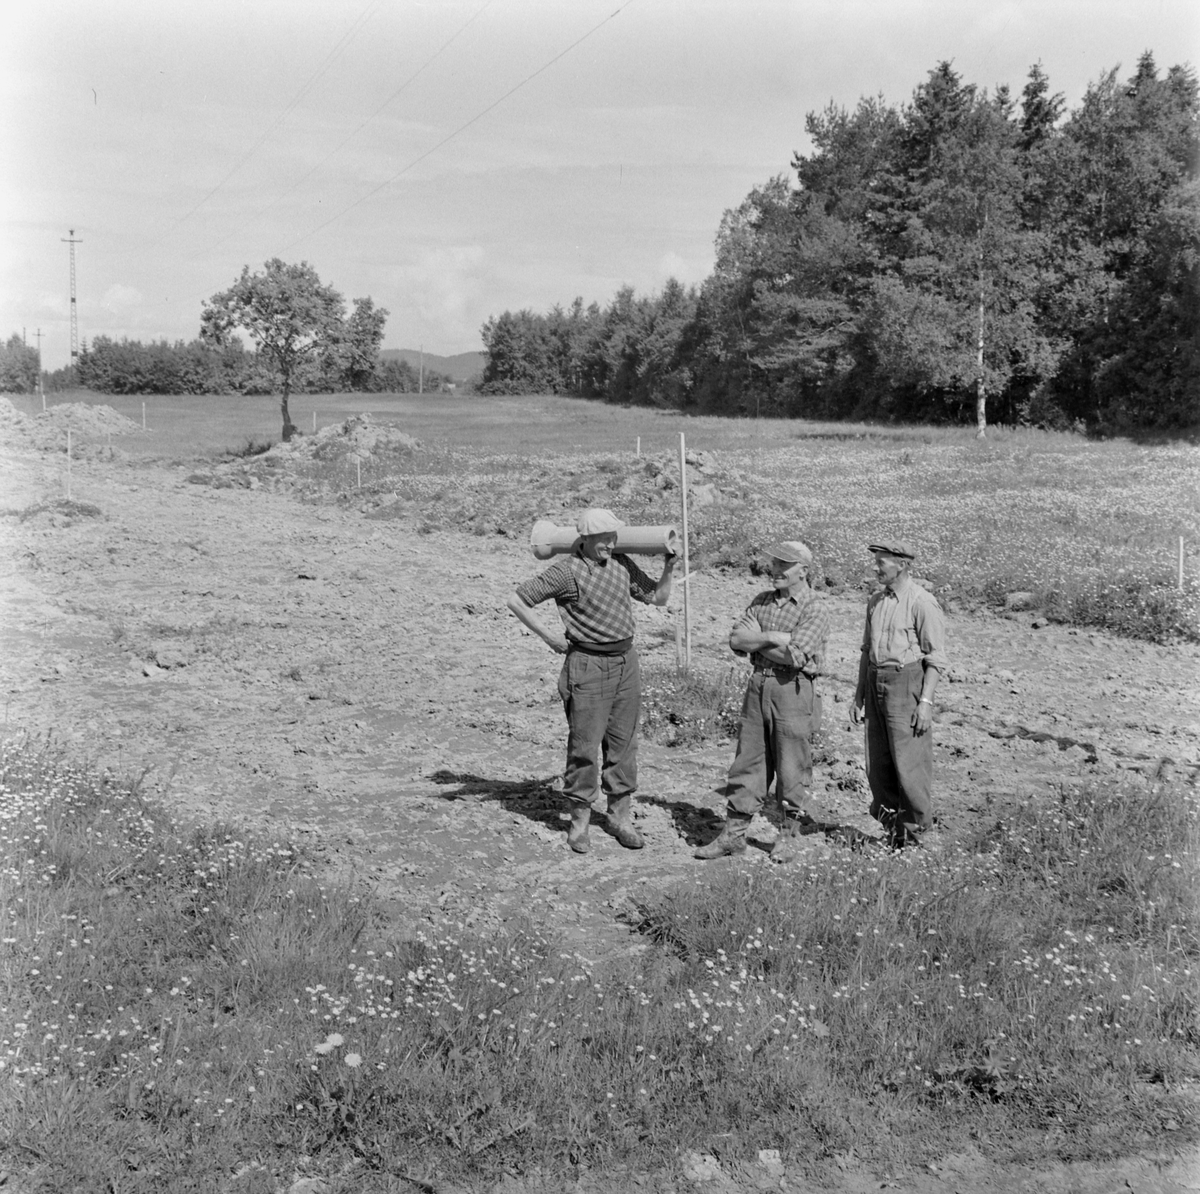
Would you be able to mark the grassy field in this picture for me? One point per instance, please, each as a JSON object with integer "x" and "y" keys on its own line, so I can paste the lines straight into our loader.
{"x": 181, "y": 426}
{"x": 1090, "y": 530}
{"x": 181, "y": 1005}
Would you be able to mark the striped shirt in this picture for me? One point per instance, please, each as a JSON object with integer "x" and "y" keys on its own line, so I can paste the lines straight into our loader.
{"x": 802, "y": 616}
{"x": 593, "y": 597}
{"x": 905, "y": 625}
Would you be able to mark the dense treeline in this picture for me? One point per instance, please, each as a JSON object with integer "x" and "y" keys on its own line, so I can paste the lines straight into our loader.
{"x": 339, "y": 351}
{"x": 961, "y": 254}
{"x": 197, "y": 367}
{"x": 18, "y": 367}
{"x": 131, "y": 367}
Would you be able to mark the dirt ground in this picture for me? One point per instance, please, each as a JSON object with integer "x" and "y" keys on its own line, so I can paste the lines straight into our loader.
{"x": 353, "y": 683}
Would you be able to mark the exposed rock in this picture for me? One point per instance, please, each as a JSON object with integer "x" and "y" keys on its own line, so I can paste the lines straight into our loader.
{"x": 771, "y": 1161}
{"x": 171, "y": 655}
{"x": 309, "y": 1185}
{"x": 702, "y": 1167}
{"x": 1018, "y": 601}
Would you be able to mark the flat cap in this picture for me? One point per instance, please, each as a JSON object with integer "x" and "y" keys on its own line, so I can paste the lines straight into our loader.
{"x": 899, "y": 548}
{"x": 790, "y": 551}
{"x": 597, "y": 521}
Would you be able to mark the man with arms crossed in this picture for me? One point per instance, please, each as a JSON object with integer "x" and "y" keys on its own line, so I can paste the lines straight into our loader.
{"x": 785, "y": 630}
{"x": 600, "y": 684}
{"x": 903, "y": 657}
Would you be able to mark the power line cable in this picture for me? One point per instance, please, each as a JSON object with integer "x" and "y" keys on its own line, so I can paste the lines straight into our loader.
{"x": 315, "y": 78}
{"x": 362, "y": 124}
{"x": 461, "y": 129}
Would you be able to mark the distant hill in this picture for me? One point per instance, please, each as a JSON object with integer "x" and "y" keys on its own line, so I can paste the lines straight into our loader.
{"x": 458, "y": 368}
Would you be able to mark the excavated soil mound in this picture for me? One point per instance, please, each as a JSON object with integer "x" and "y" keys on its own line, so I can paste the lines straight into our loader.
{"x": 305, "y": 460}
{"x": 48, "y": 431}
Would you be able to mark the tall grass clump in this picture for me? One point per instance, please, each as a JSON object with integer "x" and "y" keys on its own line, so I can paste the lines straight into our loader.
{"x": 1042, "y": 981}
{"x": 150, "y": 981}
{"x": 181, "y": 1006}
{"x": 686, "y": 706}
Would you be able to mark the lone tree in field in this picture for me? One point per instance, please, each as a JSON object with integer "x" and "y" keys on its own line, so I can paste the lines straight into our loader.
{"x": 291, "y": 315}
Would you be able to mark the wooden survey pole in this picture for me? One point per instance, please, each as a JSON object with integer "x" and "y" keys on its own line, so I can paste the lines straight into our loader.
{"x": 68, "y": 464}
{"x": 1181, "y": 563}
{"x": 687, "y": 577}
{"x": 41, "y": 386}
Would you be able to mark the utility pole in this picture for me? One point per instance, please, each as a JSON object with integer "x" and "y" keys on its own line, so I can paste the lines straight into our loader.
{"x": 41, "y": 390}
{"x": 69, "y": 239}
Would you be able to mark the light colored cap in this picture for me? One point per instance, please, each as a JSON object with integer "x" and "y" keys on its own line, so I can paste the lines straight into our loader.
{"x": 900, "y": 548}
{"x": 790, "y": 551}
{"x": 597, "y": 521}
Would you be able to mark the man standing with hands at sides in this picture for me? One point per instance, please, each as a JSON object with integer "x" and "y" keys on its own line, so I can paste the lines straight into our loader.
{"x": 600, "y": 684}
{"x": 785, "y": 630}
{"x": 903, "y": 657}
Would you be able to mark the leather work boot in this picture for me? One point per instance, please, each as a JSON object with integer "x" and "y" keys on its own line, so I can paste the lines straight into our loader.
{"x": 577, "y": 835}
{"x": 620, "y": 821}
{"x": 731, "y": 839}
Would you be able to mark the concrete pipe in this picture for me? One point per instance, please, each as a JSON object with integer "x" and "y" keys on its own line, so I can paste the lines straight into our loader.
{"x": 546, "y": 539}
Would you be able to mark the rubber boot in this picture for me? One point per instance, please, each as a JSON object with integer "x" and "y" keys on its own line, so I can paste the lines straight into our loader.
{"x": 577, "y": 835}
{"x": 620, "y": 821}
{"x": 731, "y": 839}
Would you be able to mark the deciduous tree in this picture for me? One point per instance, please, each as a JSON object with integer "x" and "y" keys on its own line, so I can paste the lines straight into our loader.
{"x": 290, "y": 314}
{"x": 18, "y": 367}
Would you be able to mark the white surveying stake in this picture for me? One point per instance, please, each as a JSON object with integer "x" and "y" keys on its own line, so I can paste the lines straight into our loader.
{"x": 687, "y": 575}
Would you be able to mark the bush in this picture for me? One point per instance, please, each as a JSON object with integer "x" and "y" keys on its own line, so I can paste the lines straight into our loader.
{"x": 1134, "y": 606}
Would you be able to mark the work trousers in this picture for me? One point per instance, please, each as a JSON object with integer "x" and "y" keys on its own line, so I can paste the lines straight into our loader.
{"x": 602, "y": 698}
{"x": 774, "y": 743}
{"x": 899, "y": 762}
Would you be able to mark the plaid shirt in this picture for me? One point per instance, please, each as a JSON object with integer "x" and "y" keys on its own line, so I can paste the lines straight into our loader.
{"x": 802, "y": 617}
{"x": 593, "y": 598}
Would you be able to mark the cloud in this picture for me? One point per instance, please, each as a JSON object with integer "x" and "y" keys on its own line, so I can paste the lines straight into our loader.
{"x": 690, "y": 273}
{"x": 447, "y": 285}
{"x": 120, "y": 298}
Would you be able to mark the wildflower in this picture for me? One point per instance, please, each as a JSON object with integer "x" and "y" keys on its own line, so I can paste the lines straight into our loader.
{"x": 353, "y": 1060}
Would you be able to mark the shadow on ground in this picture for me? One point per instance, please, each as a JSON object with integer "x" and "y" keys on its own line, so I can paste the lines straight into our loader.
{"x": 536, "y": 799}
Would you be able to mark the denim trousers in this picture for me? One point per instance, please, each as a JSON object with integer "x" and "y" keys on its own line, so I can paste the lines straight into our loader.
{"x": 774, "y": 743}
{"x": 602, "y": 698}
{"x": 899, "y": 762}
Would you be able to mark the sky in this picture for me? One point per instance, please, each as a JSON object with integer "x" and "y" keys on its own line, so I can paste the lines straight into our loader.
{"x": 452, "y": 158}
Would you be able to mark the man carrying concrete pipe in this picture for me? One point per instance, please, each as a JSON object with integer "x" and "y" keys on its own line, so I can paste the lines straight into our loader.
{"x": 600, "y": 684}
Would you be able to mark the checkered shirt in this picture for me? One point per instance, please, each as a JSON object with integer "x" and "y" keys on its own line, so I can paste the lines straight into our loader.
{"x": 593, "y": 598}
{"x": 803, "y": 617}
